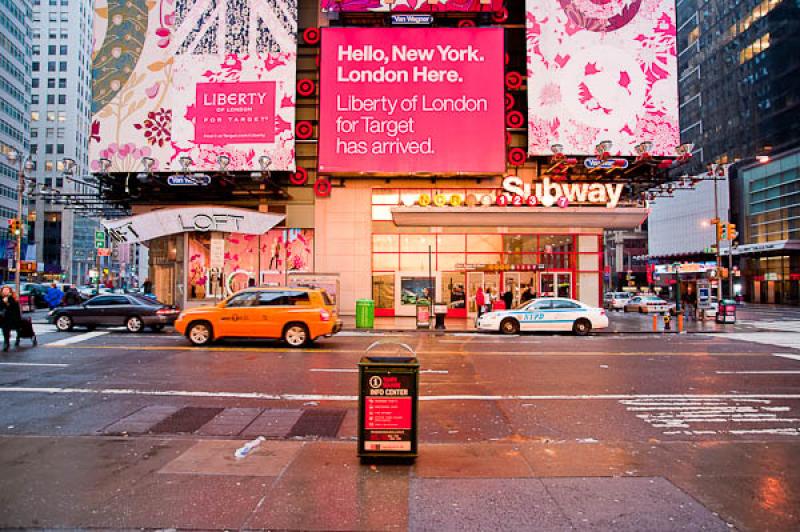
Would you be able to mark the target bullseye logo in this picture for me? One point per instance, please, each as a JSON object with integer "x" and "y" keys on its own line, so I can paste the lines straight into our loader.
{"x": 306, "y": 87}
{"x": 322, "y": 187}
{"x": 299, "y": 177}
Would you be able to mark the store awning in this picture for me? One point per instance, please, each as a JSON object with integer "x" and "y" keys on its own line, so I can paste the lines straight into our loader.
{"x": 776, "y": 247}
{"x": 163, "y": 222}
{"x": 600, "y": 217}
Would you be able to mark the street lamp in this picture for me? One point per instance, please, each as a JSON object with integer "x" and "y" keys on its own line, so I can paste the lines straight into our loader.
{"x": 25, "y": 165}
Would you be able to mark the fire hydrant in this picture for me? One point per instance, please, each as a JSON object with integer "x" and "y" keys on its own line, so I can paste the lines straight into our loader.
{"x": 667, "y": 320}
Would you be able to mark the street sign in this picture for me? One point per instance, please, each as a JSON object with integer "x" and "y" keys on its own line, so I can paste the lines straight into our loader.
{"x": 103, "y": 252}
{"x": 99, "y": 239}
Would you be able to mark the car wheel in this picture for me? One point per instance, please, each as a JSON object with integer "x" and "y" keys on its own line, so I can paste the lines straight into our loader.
{"x": 134, "y": 324}
{"x": 509, "y": 326}
{"x": 296, "y": 335}
{"x": 64, "y": 323}
{"x": 199, "y": 333}
{"x": 582, "y": 327}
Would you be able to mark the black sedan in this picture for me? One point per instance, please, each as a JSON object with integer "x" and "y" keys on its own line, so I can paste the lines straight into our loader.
{"x": 135, "y": 312}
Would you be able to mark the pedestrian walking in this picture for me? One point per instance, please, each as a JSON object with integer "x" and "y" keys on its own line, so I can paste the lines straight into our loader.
{"x": 147, "y": 286}
{"x": 508, "y": 298}
{"x": 480, "y": 300}
{"x": 11, "y": 315}
{"x": 527, "y": 295}
{"x": 53, "y": 296}
{"x": 72, "y": 297}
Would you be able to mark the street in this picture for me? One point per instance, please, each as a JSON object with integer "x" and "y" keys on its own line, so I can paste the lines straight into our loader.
{"x": 535, "y": 432}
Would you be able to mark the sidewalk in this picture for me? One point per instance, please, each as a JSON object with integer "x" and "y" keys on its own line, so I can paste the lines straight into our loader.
{"x": 619, "y": 323}
{"x": 157, "y": 483}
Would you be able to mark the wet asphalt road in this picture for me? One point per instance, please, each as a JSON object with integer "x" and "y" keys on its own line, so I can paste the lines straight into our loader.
{"x": 89, "y": 435}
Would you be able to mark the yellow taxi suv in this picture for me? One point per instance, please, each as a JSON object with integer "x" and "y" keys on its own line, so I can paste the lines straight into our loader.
{"x": 298, "y": 316}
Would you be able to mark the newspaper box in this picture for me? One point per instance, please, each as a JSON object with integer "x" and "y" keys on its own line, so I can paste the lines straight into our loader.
{"x": 387, "y": 405}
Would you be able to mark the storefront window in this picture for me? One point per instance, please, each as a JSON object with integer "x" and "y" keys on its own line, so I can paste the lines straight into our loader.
{"x": 450, "y": 261}
{"x": 556, "y": 243}
{"x": 385, "y": 261}
{"x": 416, "y": 262}
{"x": 417, "y": 243}
{"x": 484, "y": 258}
{"x": 519, "y": 243}
{"x": 451, "y": 243}
{"x": 453, "y": 289}
{"x": 383, "y": 290}
{"x": 384, "y": 243}
{"x": 479, "y": 243}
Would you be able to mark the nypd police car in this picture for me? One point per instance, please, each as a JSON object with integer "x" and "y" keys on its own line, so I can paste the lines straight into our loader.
{"x": 545, "y": 314}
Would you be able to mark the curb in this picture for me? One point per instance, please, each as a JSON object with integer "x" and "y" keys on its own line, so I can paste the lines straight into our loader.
{"x": 441, "y": 332}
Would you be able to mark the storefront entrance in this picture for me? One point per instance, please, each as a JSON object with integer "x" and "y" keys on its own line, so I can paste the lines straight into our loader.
{"x": 555, "y": 284}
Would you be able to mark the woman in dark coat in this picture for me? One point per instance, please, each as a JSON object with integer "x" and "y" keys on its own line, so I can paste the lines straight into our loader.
{"x": 9, "y": 308}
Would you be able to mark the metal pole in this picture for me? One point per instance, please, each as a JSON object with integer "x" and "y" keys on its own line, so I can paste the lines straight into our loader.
{"x": 730, "y": 270}
{"x": 20, "y": 192}
{"x": 430, "y": 274}
{"x": 716, "y": 237}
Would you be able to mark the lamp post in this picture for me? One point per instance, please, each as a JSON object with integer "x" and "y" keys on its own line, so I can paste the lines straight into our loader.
{"x": 23, "y": 165}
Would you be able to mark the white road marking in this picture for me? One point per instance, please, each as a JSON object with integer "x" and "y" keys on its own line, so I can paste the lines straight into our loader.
{"x": 355, "y": 370}
{"x": 764, "y": 398}
{"x": 765, "y": 372}
{"x": 35, "y": 364}
{"x": 79, "y": 338}
{"x": 787, "y": 355}
{"x": 781, "y": 325}
{"x": 44, "y": 328}
{"x": 369, "y": 333}
{"x": 778, "y": 338}
{"x": 694, "y": 414}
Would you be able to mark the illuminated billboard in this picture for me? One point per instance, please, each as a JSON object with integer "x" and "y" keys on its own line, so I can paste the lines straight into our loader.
{"x": 601, "y": 71}
{"x": 203, "y": 80}
{"x": 402, "y": 101}
{"x": 419, "y": 6}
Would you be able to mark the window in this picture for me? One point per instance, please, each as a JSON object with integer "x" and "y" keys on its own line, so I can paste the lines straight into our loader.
{"x": 35, "y": 66}
{"x": 35, "y": 99}
{"x": 64, "y": 34}
{"x": 60, "y": 133}
{"x": 60, "y": 180}
{"x": 564, "y": 304}
{"x": 62, "y": 66}
{"x": 34, "y": 116}
{"x": 48, "y": 166}
{"x": 51, "y": 49}
{"x": 51, "y": 116}
{"x": 64, "y": 16}
{"x": 51, "y": 66}
{"x": 270, "y": 298}
{"x": 48, "y": 181}
{"x": 51, "y": 83}
{"x": 34, "y": 133}
{"x": 60, "y": 149}
{"x": 50, "y": 131}
{"x": 35, "y": 83}
{"x": 62, "y": 50}
{"x": 282, "y": 298}
{"x": 36, "y": 49}
{"x": 245, "y": 299}
{"x": 543, "y": 304}
{"x": 62, "y": 116}
{"x": 34, "y": 149}
{"x": 51, "y": 99}
{"x": 48, "y": 149}
{"x": 62, "y": 83}
{"x": 62, "y": 99}
{"x": 106, "y": 300}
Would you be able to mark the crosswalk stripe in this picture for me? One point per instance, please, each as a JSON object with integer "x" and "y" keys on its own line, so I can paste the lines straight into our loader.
{"x": 77, "y": 339}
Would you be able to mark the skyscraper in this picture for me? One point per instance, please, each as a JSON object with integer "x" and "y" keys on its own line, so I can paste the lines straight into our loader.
{"x": 739, "y": 77}
{"x": 15, "y": 73}
{"x": 60, "y": 120}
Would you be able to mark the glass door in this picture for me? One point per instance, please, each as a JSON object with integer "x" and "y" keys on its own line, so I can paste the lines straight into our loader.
{"x": 547, "y": 285}
{"x": 511, "y": 283}
{"x": 474, "y": 283}
{"x": 564, "y": 284}
{"x": 555, "y": 284}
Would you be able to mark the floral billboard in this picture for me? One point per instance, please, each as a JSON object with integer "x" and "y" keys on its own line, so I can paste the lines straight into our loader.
{"x": 418, "y": 6}
{"x": 204, "y": 80}
{"x": 602, "y": 71}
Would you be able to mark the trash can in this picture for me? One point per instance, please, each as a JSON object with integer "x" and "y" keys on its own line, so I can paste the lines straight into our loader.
{"x": 387, "y": 406}
{"x": 365, "y": 313}
{"x": 726, "y": 313}
{"x": 423, "y": 315}
{"x": 440, "y": 313}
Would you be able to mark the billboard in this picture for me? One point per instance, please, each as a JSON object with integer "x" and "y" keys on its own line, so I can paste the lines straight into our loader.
{"x": 400, "y": 101}
{"x": 601, "y": 71}
{"x": 419, "y": 6}
{"x": 199, "y": 79}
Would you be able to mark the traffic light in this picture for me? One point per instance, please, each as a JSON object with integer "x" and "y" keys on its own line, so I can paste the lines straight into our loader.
{"x": 14, "y": 226}
{"x": 732, "y": 233}
{"x": 723, "y": 231}
{"x": 720, "y": 226}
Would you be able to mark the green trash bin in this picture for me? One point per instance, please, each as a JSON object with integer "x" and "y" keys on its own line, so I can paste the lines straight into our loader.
{"x": 365, "y": 313}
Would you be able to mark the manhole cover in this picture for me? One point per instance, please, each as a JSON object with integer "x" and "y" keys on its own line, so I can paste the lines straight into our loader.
{"x": 323, "y": 422}
{"x": 187, "y": 419}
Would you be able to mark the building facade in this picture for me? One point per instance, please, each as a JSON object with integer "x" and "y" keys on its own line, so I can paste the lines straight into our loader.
{"x": 15, "y": 73}
{"x": 60, "y": 128}
{"x": 768, "y": 200}
{"x": 405, "y": 164}
{"x": 739, "y": 78}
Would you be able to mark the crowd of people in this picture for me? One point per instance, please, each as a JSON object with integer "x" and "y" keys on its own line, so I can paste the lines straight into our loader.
{"x": 488, "y": 299}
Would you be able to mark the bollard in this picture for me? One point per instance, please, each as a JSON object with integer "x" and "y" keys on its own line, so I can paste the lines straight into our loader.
{"x": 680, "y": 323}
{"x": 655, "y": 322}
{"x": 667, "y": 320}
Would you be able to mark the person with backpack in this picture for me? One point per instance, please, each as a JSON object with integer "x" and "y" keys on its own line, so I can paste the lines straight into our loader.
{"x": 11, "y": 315}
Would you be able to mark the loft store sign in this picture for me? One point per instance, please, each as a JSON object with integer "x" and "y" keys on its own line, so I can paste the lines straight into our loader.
{"x": 163, "y": 222}
{"x": 548, "y": 192}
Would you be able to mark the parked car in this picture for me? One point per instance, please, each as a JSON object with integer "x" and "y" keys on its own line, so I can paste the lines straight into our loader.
{"x": 298, "y": 316}
{"x": 646, "y": 304}
{"x": 546, "y": 314}
{"x": 616, "y": 300}
{"x": 134, "y": 312}
{"x": 92, "y": 290}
